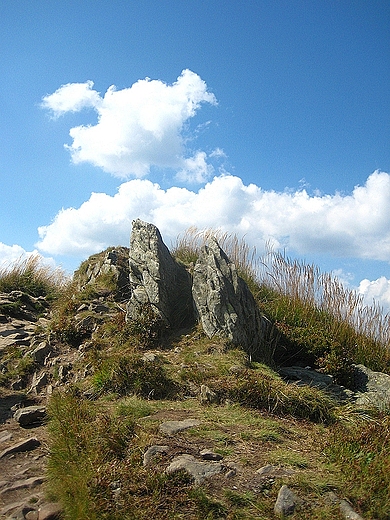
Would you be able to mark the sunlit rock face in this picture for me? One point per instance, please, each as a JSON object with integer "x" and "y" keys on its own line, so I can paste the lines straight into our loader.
{"x": 157, "y": 279}
{"x": 224, "y": 302}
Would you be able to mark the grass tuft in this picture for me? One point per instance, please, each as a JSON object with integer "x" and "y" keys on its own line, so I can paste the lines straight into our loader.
{"x": 30, "y": 275}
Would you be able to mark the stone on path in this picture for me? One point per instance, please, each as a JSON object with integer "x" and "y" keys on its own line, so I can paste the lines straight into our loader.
{"x": 25, "y": 445}
{"x": 286, "y": 502}
{"x": 172, "y": 427}
{"x": 210, "y": 455}
{"x": 274, "y": 472}
{"x": 373, "y": 388}
{"x": 28, "y": 483}
{"x": 152, "y": 452}
{"x": 198, "y": 470}
{"x": 30, "y": 415}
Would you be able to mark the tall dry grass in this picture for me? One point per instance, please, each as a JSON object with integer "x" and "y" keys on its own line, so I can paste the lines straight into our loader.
{"x": 304, "y": 302}
{"x": 300, "y": 294}
{"x": 31, "y": 275}
{"x": 189, "y": 245}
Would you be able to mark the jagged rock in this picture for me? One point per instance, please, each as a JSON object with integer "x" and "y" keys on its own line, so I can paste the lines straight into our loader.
{"x": 111, "y": 267}
{"x": 224, "y": 302}
{"x": 40, "y": 353}
{"x": 19, "y": 384}
{"x": 372, "y": 388}
{"x": 23, "y": 484}
{"x": 5, "y": 436}
{"x": 172, "y": 427}
{"x": 39, "y": 382}
{"x": 13, "y": 334}
{"x": 152, "y": 452}
{"x": 30, "y": 415}
{"x": 150, "y": 356}
{"x": 20, "y": 305}
{"x": 345, "y": 507}
{"x": 198, "y": 470}
{"x": 25, "y": 445}
{"x": 286, "y": 502}
{"x": 156, "y": 279}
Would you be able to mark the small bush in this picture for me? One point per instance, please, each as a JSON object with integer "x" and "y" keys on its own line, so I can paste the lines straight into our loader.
{"x": 15, "y": 365}
{"x": 146, "y": 329}
{"x": 131, "y": 374}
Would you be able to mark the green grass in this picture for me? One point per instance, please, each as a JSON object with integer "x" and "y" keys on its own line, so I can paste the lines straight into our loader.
{"x": 96, "y": 446}
{"x": 319, "y": 321}
{"x": 363, "y": 451}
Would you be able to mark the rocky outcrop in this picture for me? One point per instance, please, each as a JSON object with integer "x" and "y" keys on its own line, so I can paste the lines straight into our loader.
{"x": 215, "y": 295}
{"x": 110, "y": 269}
{"x": 224, "y": 302}
{"x": 311, "y": 377}
{"x": 157, "y": 280}
{"x": 372, "y": 388}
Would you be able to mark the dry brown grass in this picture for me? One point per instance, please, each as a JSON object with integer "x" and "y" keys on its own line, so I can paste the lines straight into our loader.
{"x": 31, "y": 275}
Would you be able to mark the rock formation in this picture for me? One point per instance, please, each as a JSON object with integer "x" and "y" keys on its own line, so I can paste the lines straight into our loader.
{"x": 110, "y": 267}
{"x": 157, "y": 280}
{"x": 224, "y": 302}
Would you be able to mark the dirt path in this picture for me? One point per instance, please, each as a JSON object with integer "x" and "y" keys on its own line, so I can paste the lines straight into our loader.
{"x": 22, "y": 473}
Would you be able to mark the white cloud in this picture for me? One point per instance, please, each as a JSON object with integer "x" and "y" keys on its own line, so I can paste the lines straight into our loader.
{"x": 355, "y": 225}
{"x": 15, "y": 253}
{"x": 376, "y": 290}
{"x": 72, "y": 97}
{"x": 138, "y": 127}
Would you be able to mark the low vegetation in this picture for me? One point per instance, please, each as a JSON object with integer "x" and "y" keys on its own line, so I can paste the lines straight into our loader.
{"x": 140, "y": 375}
{"x": 31, "y": 276}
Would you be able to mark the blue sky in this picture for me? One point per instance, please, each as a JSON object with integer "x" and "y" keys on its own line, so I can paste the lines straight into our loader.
{"x": 269, "y": 119}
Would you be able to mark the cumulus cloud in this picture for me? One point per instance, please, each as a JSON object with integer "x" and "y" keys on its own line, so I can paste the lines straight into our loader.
{"x": 71, "y": 97}
{"x": 138, "y": 127}
{"x": 376, "y": 290}
{"x": 354, "y": 225}
{"x": 15, "y": 253}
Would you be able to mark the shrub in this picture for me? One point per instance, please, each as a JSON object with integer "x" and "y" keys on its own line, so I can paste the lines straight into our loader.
{"x": 131, "y": 374}
{"x": 146, "y": 329}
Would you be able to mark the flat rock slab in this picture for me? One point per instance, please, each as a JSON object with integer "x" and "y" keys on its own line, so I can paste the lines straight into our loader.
{"x": 49, "y": 511}
{"x": 210, "y": 455}
{"x": 198, "y": 470}
{"x": 5, "y": 436}
{"x": 25, "y": 445}
{"x": 172, "y": 427}
{"x": 28, "y": 483}
{"x": 30, "y": 415}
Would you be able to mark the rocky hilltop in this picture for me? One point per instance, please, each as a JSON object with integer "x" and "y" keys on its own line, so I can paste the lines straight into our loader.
{"x": 198, "y": 334}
